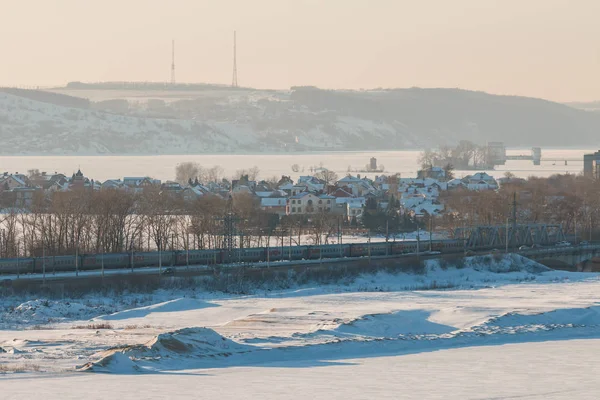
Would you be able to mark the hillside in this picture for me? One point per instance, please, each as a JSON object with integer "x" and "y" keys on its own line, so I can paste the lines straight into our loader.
{"x": 213, "y": 119}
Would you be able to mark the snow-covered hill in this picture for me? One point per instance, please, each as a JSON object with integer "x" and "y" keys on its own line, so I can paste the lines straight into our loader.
{"x": 303, "y": 119}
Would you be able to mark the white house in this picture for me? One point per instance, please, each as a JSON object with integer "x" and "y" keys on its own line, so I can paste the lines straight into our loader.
{"x": 309, "y": 203}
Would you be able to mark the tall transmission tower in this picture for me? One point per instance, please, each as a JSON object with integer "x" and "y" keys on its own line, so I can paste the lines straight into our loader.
{"x": 173, "y": 63}
{"x": 234, "y": 82}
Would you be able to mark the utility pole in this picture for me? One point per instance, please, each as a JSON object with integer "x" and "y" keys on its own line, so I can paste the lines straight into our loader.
{"x": 102, "y": 262}
{"x": 44, "y": 262}
{"x": 514, "y": 221}
{"x": 506, "y": 240}
{"x": 418, "y": 242}
{"x": 431, "y": 233}
{"x": 369, "y": 246}
{"x": 18, "y": 254}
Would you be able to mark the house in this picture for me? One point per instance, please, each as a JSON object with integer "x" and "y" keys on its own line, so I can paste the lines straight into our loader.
{"x": 313, "y": 184}
{"x": 436, "y": 173}
{"x": 310, "y": 203}
{"x": 421, "y": 210}
{"x": 297, "y": 189}
{"x": 456, "y": 183}
{"x": 112, "y": 184}
{"x": 274, "y": 205}
{"x": 192, "y": 193}
{"x": 77, "y": 181}
{"x": 342, "y": 192}
{"x": 348, "y": 180}
{"x": 9, "y": 182}
{"x": 171, "y": 188}
{"x": 358, "y": 186}
{"x": 24, "y": 196}
{"x": 480, "y": 181}
{"x": 286, "y": 187}
{"x": 242, "y": 189}
{"x": 355, "y": 210}
{"x": 138, "y": 184}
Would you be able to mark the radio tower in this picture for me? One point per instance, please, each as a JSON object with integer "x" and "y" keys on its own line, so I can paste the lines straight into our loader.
{"x": 173, "y": 63}
{"x": 234, "y": 82}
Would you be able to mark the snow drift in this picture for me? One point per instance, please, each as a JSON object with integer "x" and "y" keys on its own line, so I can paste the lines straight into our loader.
{"x": 43, "y": 311}
{"x": 166, "y": 348}
{"x": 393, "y": 325}
{"x": 177, "y": 305}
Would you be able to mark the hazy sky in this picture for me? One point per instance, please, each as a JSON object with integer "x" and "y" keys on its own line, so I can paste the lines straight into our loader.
{"x": 541, "y": 48}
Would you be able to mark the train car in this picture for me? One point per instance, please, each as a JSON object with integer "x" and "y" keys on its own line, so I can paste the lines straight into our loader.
{"x": 246, "y": 255}
{"x": 406, "y": 247}
{"x": 358, "y": 250}
{"x": 294, "y": 252}
{"x": 273, "y": 254}
{"x": 16, "y": 266}
{"x": 54, "y": 264}
{"x": 153, "y": 259}
{"x": 379, "y": 249}
{"x": 110, "y": 261}
{"x": 451, "y": 245}
{"x": 332, "y": 251}
{"x": 199, "y": 257}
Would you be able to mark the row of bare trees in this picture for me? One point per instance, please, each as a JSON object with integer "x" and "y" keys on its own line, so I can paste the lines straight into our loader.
{"x": 570, "y": 200}
{"x": 114, "y": 221}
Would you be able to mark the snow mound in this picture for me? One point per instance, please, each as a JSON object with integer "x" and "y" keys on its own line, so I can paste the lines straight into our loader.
{"x": 45, "y": 310}
{"x": 393, "y": 325}
{"x": 504, "y": 263}
{"x": 166, "y": 349}
{"x": 12, "y": 350}
{"x": 563, "y": 317}
{"x": 177, "y": 305}
{"x": 116, "y": 363}
{"x": 194, "y": 341}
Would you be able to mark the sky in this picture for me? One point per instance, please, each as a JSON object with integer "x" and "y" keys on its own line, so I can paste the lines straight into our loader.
{"x": 539, "y": 48}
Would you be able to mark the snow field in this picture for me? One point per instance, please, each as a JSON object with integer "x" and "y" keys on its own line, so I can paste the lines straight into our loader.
{"x": 376, "y": 336}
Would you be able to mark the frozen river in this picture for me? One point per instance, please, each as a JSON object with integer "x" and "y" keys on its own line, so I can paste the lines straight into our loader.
{"x": 163, "y": 166}
{"x": 498, "y": 333}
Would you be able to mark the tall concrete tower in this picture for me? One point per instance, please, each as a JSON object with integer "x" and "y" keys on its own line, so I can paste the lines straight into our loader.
{"x": 173, "y": 63}
{"x": 234, "y": 81}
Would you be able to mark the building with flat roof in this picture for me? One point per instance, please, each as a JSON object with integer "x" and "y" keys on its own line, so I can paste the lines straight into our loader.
{"x": 591, "y": 165}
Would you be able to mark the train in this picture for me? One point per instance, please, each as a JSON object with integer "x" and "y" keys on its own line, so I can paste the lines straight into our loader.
{"x": 89, "y": 262}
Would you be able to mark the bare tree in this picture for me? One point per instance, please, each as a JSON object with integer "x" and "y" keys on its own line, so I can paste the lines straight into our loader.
{"x": 187, "y": 171}
{"x": 253, "y": 173}
{"x": 327, "y": 176}
{"x": 214, "y": 174}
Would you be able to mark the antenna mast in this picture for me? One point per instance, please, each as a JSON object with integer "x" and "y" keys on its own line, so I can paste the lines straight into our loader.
{"x": 234, "y": 81}
{"x": 173, "y": 63}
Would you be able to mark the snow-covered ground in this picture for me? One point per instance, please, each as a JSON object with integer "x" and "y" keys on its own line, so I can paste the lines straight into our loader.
{"x": 501, "y": 328}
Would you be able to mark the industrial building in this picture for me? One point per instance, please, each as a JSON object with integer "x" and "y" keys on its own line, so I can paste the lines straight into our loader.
{"x": 591, "y": 165}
